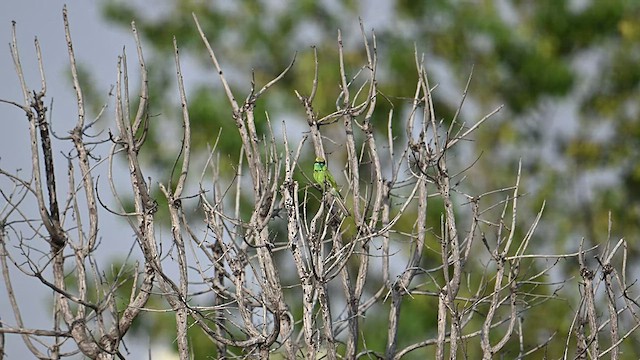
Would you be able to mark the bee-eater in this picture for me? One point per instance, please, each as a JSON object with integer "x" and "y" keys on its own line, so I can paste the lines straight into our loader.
{"x": 323, "y": 177}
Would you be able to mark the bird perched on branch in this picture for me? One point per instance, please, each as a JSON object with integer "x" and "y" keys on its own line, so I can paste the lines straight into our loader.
{"x": 328, "y": 184}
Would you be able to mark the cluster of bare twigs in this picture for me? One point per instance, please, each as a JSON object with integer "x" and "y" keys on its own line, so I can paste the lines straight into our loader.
{"x": 241, "y": 281}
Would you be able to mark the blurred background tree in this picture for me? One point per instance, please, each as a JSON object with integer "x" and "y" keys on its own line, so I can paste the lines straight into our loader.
{"x": 568, "y": 73}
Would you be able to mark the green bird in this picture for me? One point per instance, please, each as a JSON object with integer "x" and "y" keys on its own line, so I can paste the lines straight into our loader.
{"x": 323, "y": 177}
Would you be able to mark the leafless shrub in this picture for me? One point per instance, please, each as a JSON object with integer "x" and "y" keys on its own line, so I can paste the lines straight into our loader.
{"x": 227, "y": 280}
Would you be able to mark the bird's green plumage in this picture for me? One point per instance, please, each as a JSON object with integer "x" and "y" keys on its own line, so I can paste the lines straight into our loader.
{"x": 322, "y": 175}
{"x": 324, "y": 178}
